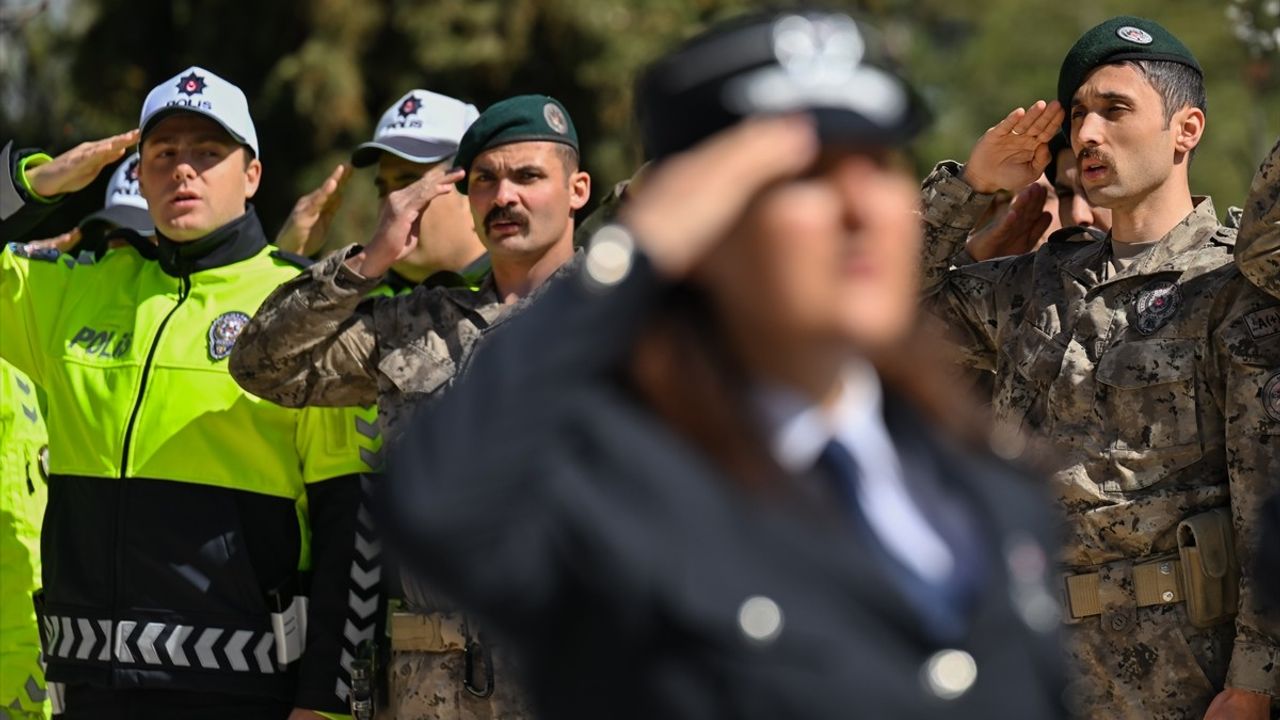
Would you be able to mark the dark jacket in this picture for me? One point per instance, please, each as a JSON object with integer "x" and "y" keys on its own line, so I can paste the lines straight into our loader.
{"x": 19, "y": 213}
{"x": 616, "y": 560}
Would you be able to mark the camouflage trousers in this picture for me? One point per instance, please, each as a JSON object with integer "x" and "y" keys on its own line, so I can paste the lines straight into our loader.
{"x": 1145, "y": 664}
{"x": 429, "y": 686}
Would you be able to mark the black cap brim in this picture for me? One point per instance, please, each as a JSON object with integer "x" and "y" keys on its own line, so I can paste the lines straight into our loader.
{"x": 125, "y": 216}
{"x": 411, "y": 149}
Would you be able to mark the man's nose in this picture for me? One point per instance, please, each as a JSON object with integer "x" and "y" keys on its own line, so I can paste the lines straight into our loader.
{"x": 506, "y": 195}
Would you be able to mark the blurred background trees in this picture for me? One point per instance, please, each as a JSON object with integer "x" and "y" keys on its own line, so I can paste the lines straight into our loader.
{"x": 318, "y": 73}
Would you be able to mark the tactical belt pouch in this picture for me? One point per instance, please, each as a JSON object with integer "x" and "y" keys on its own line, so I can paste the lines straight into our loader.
{"x": 1210, "y": 572}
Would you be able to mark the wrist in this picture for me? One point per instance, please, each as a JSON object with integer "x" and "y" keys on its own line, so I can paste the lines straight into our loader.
{"x": 29, "y": 181}
{"x": 360, "y": 263}
{"x": 978, "y": 184}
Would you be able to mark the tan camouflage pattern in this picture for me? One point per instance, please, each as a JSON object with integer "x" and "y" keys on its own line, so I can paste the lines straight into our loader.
{"x": 1258, "y": 247}
{"x": 317, "y": 340}
{"x": 1145, "y": 430}
{"x": 428, "y": 686}
{"x": 320, "y": 340}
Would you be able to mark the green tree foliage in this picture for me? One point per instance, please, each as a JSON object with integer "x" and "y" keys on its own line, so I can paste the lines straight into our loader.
{"x": 318, "y": 73}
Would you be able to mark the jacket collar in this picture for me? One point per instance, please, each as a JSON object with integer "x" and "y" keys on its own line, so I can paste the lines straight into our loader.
{"x": 1170, "y": 253}
{"x": 238, "y": 240}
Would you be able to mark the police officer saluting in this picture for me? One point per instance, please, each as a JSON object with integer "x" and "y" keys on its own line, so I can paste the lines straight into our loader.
{"x": 199, "y": 541}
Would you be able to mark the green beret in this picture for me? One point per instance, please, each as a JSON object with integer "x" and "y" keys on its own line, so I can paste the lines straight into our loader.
{"x": 1120, "y": 38}
{"x": 524, "y": 118}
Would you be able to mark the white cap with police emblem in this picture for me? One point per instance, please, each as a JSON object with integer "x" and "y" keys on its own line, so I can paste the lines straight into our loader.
{"x": 199, "y": 91}
{"x": 124, "y": 206}
{"x": 421, "y": 127}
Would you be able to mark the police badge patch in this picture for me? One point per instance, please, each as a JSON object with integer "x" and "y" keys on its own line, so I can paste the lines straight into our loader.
{"x": 223, "y": 333}
{"x": 1271, "y": 396}
{"x": 1155, "y": 305}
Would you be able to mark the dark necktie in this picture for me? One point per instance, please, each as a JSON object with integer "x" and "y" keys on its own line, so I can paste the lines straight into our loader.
{"x": 940, "y": 606}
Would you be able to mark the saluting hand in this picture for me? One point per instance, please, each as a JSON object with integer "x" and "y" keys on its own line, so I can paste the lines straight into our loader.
{"x": 1237, "y": 704}
{"x": 398, "y": 221}
{"x": 1015, "y": 152}
{"x": 77, "y": 167}
{"x": 692, "y": 199}
{"x": 305, "y": 229}
{"x": 1018, "y": 231}
{"x": 65, "y": 243}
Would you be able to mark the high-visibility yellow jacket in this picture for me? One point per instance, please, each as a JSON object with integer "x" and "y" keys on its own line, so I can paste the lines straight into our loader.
{"x": 182, "y": 510}
{"x": 22, "y": 497}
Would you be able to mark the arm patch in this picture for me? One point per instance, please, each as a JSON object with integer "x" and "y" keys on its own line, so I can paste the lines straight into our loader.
{"x": 25, "y": 250}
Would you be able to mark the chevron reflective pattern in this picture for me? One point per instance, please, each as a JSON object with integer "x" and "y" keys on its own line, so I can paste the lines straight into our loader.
{"x": 156, "y": 643}
{"x": 363, "y": 591}
{"x": 30, "y": 707}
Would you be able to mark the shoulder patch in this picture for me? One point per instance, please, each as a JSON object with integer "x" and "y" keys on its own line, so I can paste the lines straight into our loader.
{"x": 1074, "y": 234}
{"x": 26, "y": 250}
{"x": 294, "y": 259}
{"x": 1271, "y": 396}
{"x": 1263, "y": 323}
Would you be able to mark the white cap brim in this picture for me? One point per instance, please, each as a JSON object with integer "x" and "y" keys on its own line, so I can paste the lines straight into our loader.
{"x": 125, "y": 216}
{"x": 411, "y": 149}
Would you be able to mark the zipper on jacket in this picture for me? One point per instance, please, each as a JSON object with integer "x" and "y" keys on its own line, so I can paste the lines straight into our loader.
{"x": 184, "y": 289}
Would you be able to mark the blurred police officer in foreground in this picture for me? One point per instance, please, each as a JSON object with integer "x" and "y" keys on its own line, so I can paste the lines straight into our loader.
{"x": 1141, "y": 357}
{"x": 714, "y": 471}
{"x": 198, "y": 543}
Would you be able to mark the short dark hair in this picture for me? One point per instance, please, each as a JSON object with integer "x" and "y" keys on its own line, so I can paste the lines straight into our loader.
{"x": 568, "y": 157}
{"x": 1179, "y": 85}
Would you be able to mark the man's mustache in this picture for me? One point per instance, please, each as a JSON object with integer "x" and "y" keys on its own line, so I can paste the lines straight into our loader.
{"x": 1088, "y": 153}
{"x": 505, "y": 215}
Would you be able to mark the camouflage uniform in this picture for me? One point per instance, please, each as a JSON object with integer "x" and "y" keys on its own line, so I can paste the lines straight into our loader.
{"x": 1258, "y": 251}
{"x": 1151, "y": 387}
{"x": 320, "y": 340}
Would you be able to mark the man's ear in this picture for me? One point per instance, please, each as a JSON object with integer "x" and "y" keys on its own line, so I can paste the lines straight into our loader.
{"x": 579, "y": 190}
{"x": 252, "y": 177}
{"x": 1187, "y": 126}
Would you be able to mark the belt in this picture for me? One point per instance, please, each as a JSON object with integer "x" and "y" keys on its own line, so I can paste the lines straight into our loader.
{"x": 436, "y": 632}
{"x": 158, "y": 644}
{"x": 1156, "y": 582}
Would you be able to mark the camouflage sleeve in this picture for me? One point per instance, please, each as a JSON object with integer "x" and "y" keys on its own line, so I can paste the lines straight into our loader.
{"x": 1258, "y": 244}
{"x": 960, "y": 292}
{"x": 1247, "y": 351}
{"x": 949, "y": 210}
{"x": 310, "y": 343}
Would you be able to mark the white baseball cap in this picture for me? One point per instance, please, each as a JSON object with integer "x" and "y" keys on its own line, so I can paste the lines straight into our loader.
{"x": 124, "y": 206}
{"x": 199, "y": 91}
{"x": 421, "y": 127}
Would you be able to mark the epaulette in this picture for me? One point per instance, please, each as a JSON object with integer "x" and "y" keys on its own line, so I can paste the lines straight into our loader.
{"x": 1234, "y": 216}
{"x": 294, "y": 259}
{"x": 1225, "y": 235}
{"x": 25, "y": 250}
{"x": 1073, "y": 234}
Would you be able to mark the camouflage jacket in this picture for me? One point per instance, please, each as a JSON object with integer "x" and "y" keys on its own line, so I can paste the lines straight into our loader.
{"x": 1158, "y": 388}
{"x": 317, "y": 340}
{"x": 1258, "y": 249}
